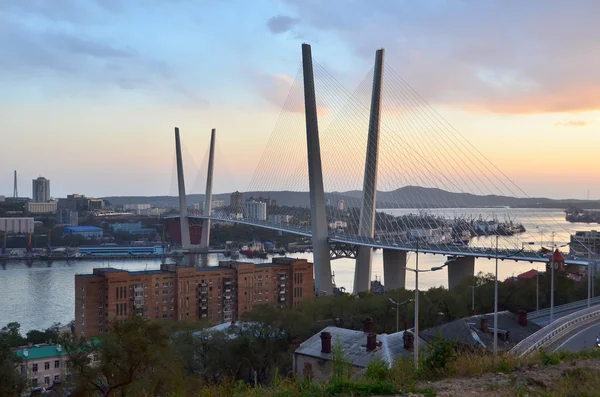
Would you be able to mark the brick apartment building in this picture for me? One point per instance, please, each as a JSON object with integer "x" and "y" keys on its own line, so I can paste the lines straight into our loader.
{"x": 215, "y": 293}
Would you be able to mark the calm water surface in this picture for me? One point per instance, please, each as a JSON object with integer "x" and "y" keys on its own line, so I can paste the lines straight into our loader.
{"x": 39, "y": 295}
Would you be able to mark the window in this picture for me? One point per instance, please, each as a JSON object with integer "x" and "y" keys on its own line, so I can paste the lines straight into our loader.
{"x": 47, "y": 365}
{"x": 56, "y": 363}
{"x": 156, "y": 285}
{"x": 34, "y": 382}
{"x": 34, "y": 368}
{"x": 57, "y": 378}
{"x": 46, "y": 380}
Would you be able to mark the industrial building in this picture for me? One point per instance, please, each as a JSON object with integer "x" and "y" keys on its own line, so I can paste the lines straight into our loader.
{"x": 41, "y": 208}
{"x": 17, "y": 225}
{"x": 84, "y": 231}
{"x": 216, "y": 293}
{"x": 131, "y": 228}
{"x": 137, "y": 207}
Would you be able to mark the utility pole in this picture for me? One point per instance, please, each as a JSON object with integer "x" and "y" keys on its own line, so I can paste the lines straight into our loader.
{"x": 496, "y": 302}
{"x": 552, "y": 281}
{"x": 416, "y": 345}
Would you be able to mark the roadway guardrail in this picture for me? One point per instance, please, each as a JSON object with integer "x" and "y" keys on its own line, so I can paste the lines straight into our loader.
{"x": 558, "y": 309}
{"x": 556, "y": 330}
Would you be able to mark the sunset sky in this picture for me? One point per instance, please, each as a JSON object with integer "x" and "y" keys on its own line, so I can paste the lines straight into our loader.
{"x": 90, "y": 90}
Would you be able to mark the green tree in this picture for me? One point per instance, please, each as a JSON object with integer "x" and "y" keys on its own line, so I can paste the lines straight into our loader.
{"x": 133, "y": 357}
{"x": 12, "y": 383}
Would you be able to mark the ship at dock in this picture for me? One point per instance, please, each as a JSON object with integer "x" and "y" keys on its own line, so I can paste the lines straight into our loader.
{"x": 579, "y": 215}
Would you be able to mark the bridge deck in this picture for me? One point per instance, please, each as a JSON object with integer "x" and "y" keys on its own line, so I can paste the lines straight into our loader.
{"x": 447, "y": 250}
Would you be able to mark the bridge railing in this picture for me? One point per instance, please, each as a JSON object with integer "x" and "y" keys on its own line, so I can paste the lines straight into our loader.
{"x": 553, "y": 331}
{"x": 567, "y": 306}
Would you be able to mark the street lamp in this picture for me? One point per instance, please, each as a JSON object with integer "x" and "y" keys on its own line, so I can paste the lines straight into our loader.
{"x": 417, "y": 271}
{"x": 397, "y": 307}
{"x": 537, "y": 288}
{"x": 496, "y": 296}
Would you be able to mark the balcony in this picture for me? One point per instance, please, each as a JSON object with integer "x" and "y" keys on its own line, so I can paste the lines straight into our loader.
{"x": 138, "y": 289}
{"x": 228, "y": 290}
{"x": 227, "y": 283}
{"x": 282, "y": 299}
{"x": 282, "y": 291}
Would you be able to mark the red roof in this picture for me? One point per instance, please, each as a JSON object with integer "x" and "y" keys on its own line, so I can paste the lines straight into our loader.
{"x": 557, "y": 256}
{"x": 528, "y": 274}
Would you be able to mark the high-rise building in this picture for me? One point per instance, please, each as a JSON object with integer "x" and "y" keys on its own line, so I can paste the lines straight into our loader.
{"x": 236, "y": 202}
{"x": 215, "y": 293}
{"x": 41, "y": 190}
{"x": 255, "y": 210}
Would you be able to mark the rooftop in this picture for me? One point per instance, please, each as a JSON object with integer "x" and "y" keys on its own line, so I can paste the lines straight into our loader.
{"x": 354, "y": 345}
{"x": 468, "y": 331}
{"x": 83, "y": 228}
{"x": 37, "y": 352}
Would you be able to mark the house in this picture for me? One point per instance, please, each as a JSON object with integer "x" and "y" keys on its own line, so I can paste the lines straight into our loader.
{"x": 312, "y": 359}
{"x": 43, "y": 364}
{"x": 477, "y": 332}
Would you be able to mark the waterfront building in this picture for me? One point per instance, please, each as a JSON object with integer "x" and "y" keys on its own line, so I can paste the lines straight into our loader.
{"x": 216, "y": 204}
{"x": 43, "y": 364}
{"x": 120, "y": 250}
{"x": 338, "y": 225}
{"x": 41, "y": 208}
{"x": 85, "y": 231}
{"x": 280, "y": 219}
{"x": 216, "y": 294}
{"x": 41, "y": 190}
{"x": 236, "y": 202}
{"x": 131, "y": 228}
{"x": 137, "y": 207}
{"x": 255, "y": 210}
{"x": 17, "y": 225}
{"x": 67, "y": 217}
{"x": 585, "y": 242}
{"x": 342, "y": 205}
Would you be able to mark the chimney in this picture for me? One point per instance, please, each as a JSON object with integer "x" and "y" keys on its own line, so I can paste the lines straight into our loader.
{"x": 368, "y": 325}
{"x": 409, "y": 340}
{"x": 522, "y": 318}
{"x": 325, "y": 342}
{"x": 485, "y": 325}
{"x": 371, "y": 341}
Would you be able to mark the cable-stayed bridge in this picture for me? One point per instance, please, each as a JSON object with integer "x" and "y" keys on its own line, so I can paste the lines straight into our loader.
{"x": 369, "y": 143}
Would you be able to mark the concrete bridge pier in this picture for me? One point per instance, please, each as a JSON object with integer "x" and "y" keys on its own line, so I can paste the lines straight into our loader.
{"x": 459, "y": 269}
{"x": 207, "y": 210}
{"x": 394, "y": 269}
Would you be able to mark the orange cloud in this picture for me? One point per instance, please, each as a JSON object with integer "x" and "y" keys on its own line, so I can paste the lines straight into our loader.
{"x": 572, "y": 123}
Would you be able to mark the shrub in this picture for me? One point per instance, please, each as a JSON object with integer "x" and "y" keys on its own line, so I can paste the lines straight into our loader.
{"x": 377, "y": 371}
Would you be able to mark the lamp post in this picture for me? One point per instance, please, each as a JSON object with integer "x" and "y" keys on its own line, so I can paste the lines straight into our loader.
{"x": 417, "y": 271}
{"x": 537, "y": 288}
{"x": 496, "y": 297}
{"x": 552, "y": 281}
{"x": 397, "y": 308}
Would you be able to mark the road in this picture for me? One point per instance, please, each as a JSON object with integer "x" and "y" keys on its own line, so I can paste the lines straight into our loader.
{"x": 542, "y": 318}
{"x": 584, "y": 339}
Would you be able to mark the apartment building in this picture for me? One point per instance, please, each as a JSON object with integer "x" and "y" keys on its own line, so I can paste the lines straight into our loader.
{"x": 216, "y": 293}
{"x": 43, "y": 364}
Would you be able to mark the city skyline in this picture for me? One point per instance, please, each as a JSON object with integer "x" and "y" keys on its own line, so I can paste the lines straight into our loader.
{"x": 95, "y": 88}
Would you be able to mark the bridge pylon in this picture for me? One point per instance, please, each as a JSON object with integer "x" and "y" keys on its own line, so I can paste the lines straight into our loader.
{"x": 207, "y": 210}
{"x": 322, "y": 264}
{"x": 183, "y": 214}
{"x": 366, "y": 228}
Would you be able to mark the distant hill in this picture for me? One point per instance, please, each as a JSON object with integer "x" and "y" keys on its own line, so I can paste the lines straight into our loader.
{"x": 404, "y": 197}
